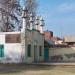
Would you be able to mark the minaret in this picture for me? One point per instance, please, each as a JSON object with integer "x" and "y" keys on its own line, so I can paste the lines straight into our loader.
{"x": 31, "y": 21}
{"x": 37, "y": 23}
{"x": 24, "y": 17}
{"x": 41, "y": 23}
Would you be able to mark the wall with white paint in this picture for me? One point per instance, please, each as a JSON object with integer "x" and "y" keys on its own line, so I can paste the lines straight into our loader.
{"x": 62, "y": 54}
{"x": 34, "y": 37}
{"x": 12, "y": 51}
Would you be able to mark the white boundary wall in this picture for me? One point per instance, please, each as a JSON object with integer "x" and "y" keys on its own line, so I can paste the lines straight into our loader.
{"x": 68, "y": 54}
{"x": 12, "y": 51}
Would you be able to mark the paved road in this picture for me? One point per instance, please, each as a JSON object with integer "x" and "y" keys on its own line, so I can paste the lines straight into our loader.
{"x": 36, "y": 69}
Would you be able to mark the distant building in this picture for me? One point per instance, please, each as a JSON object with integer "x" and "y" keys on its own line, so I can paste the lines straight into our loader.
{"x": 57, "y": 40}
{"x": 70, "y": 39}
{"x": 48, "y": 35}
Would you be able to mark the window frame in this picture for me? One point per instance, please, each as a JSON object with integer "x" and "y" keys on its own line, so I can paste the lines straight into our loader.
{"x": 29, "y": 50}
{"x": 1, "y": 50}
{"x": 40, "y": 50}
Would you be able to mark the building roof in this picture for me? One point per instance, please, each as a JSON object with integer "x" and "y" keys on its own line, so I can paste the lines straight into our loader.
{"x": 55, "y": 38}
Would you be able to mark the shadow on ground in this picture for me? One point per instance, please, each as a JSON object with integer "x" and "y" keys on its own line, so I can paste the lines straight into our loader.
{"x": 16, "y": 68}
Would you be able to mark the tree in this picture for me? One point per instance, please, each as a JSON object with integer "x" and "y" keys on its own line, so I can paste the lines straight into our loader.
{"x": 31, "y": 6}
{"x": 10, "y": 12}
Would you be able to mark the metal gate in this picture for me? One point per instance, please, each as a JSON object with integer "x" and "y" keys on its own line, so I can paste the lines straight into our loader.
{"x": 46, "y": 54}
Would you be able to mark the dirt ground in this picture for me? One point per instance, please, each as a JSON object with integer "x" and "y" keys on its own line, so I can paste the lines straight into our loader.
{"x": 23, "y": 69}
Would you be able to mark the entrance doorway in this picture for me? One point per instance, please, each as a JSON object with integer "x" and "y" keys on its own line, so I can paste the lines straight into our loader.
{"x": 35, "y": 53}
{"x": 46, "y": 54}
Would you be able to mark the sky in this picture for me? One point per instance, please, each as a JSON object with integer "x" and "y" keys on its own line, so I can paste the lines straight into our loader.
{"x": 59, "y": 16}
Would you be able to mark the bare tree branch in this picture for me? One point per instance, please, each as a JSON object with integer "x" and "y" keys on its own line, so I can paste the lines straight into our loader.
{"x": 10, "y": 10}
